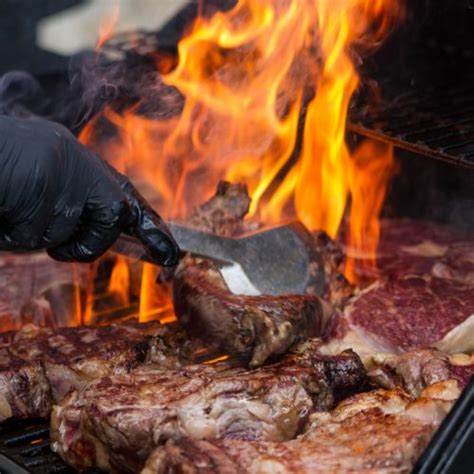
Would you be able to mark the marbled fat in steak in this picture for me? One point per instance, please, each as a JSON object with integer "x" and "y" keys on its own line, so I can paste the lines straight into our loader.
{"x": 382, "y": 431}
{"x": 115, "y": 422}
{"x": 39, "y": 366}
{"x": 414, "y": 371}
{"x": 408, "y": 246}
{"x": 412, "y": 311}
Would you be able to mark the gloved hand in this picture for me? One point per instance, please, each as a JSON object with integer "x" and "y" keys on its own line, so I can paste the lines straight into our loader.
{"x": 56, "y": 194}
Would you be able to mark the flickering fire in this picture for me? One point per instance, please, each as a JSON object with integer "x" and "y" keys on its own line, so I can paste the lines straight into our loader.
{"x": 108, "y": 27}
{"x": 266, "y": 88}
{"x": 119, "y": 284}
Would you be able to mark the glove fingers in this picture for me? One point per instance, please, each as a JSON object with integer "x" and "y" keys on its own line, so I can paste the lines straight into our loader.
{"x": 148, "y": 226}
{"x": 91, "y": 241}
{"x": 156, "y": 238}
{"x": 62, "y": 226}
{"x": 105, "y": 215}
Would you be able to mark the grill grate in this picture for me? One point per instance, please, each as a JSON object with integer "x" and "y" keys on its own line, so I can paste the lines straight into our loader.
{"x": 24, "y": 448}
{"x": 431, "y": 121}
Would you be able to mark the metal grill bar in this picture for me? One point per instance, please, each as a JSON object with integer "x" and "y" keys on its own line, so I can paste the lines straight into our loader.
{"x": 433, "y": 122}
{"x": 24, "y": 447}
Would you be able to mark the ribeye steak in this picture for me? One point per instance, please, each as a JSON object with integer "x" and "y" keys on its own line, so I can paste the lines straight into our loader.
{"x": 382, "y": 431}
{"x": 39, "y": 366}
{"x": 258, "y": 326}
{"x": 115, "y": 422}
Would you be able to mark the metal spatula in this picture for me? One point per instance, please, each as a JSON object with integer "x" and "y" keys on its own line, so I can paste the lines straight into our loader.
{"x": 271, "y": 261}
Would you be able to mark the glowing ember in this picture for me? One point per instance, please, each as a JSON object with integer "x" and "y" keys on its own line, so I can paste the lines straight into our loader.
{"x": 265, "y": 84}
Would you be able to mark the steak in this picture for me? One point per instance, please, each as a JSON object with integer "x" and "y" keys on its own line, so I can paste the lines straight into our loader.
{"x": 457, "y": 263}
{"x": 36, "y": 289}
{"x": 253, "y": 326}
{"x": 382, "y": 431}
{"x": 404, "y": 313}
{"x": 114, "y": 423}
{"x": 414, "y": 247}
{"x": 416, "y": 370}
{"x": 39, "y": 366}
{"x": 256, "y": 327}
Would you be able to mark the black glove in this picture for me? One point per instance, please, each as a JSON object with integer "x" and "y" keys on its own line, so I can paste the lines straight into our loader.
{"x": 56, "y": 194}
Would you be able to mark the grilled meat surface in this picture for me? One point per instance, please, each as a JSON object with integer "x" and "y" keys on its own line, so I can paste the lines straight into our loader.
{"x": 382, "y": 431}
{"x": 253, "y": 326}
{"x": 114, "y": 423}
{"x": 39, "y": 366}
{"x": 416, "y": 370}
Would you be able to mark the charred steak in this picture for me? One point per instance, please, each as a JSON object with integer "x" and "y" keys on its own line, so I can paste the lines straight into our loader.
{"x": 114, "y": 423}
{"x": 39, "y": 366}
{"x": 253, "y": 326}
{"x": 382, "y": 431}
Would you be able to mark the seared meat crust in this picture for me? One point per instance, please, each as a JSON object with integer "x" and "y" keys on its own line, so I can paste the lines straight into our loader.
{"x": 382, "y": 431}
{"x": 39, "y": 366}
{"x": 252, "y": 326}
{"x": 256, "y": 327}
{"x": 114, "y": 423}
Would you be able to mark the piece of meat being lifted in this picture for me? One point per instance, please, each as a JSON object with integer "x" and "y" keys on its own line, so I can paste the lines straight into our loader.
{"x": 382, "y": 431}
{"x": 39, "y": 366}
{"x": 114, "y": 423}
{"x": 253, "y": 326}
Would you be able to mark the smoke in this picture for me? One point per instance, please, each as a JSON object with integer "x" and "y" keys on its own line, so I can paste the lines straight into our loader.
{"x": 91, "y": 83}
{"x": 21, "y": 95}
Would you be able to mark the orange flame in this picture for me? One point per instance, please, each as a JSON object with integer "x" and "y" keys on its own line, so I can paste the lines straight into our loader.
{"x": 371, "y": 168}
{"x": 119, "y": 284}
{"x": 108, "y": 27}
{"x": 155, "y": 300}
{"x": 266, "y": 89}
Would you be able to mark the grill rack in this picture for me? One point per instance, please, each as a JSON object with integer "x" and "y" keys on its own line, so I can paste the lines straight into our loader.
{"x": 24, "y": 449}
{"x": 429, "y": 120}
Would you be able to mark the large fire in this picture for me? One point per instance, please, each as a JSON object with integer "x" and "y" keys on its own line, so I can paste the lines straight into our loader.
{"x": 266, "y": 89}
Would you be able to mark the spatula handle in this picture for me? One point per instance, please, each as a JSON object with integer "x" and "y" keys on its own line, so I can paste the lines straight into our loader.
{"x": 189, "y": 240}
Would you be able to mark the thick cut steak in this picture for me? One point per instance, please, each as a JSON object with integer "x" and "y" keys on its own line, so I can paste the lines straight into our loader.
{"x": 404, "y": 313}
{"x": 39, "y": 366}
{"x": 413, "y": 247}
{"x": 382, "y": 431}
{"x": 115, "y": 422}
{"x": 253, "y": 326}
